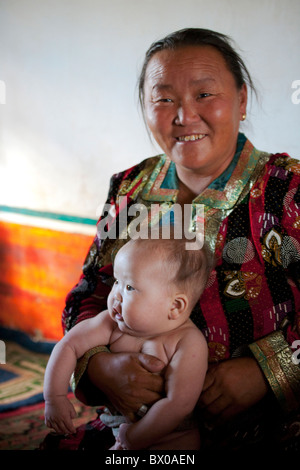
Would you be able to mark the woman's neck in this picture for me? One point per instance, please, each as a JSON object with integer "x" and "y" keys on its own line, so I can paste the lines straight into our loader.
{"x": 191, "y": 187}
{"x": 193, "y": 183}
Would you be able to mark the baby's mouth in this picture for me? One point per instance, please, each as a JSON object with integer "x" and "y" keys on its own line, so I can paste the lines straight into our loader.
{"x": 117, "y": 314}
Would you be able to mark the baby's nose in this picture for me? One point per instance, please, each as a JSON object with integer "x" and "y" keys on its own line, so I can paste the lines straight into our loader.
{"x": 118, "y": 296}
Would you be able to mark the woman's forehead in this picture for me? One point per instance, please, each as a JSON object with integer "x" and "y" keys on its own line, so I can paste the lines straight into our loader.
{"x": 194, "y": 60}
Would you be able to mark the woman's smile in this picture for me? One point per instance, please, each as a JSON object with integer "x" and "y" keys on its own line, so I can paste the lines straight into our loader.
{"x": 191, "y": 138}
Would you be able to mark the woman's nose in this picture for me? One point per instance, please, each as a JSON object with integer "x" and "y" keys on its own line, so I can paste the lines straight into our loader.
{"x": 187, "y": 114}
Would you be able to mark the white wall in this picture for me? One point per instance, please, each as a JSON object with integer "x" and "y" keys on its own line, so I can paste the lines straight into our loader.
{"x": 71, "y": 118}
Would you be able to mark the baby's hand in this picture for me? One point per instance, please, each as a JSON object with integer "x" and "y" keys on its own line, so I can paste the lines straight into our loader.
{"x": 59, "y": 413}
{"x": 117, "y": 445}
{"x": 122, "y": 436}
{"x": 121, "y": 442}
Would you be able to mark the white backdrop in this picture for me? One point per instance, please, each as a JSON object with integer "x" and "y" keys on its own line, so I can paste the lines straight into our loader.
{"x": 69, "y": 117}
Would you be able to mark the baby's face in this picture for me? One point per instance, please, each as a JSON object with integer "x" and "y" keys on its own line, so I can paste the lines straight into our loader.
{"x": 142, "y": 294}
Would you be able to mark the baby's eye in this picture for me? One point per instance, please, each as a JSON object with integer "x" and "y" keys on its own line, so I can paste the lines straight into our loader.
{"x": 116, "y": 282}
{"x": 129, "y": 288}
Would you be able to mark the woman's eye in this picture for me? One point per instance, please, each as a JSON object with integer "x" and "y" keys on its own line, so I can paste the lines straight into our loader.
{"x": 129, "y": 288}
{"x": 164, "y": 100}
{"x": 204, "y": 95}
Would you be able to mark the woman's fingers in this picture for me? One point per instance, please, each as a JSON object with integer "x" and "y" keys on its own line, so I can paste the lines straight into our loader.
{"x": 128, "y": 379}
{"x": 151, "y": 363}
{"x": 231, "y": 387}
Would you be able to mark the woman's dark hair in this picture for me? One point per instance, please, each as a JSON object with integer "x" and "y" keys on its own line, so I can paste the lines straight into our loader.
{"x": 199, "y": 37}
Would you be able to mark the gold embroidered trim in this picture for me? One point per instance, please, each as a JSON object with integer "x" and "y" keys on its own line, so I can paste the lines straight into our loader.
{"x": 82, "y": 364}
{"x": 275, "y": 359}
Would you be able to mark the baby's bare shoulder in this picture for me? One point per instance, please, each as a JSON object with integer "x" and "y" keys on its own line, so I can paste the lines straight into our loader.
{"x": 190, "y": 333}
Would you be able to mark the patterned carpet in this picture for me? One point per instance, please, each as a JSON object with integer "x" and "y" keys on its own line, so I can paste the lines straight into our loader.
{"x": 24, "y": 429}
{"x": 21, "y": 394}
{"x": 21, "y": 378}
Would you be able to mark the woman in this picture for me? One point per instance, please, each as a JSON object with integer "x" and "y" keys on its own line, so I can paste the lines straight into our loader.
{"x": 193, "y": 91}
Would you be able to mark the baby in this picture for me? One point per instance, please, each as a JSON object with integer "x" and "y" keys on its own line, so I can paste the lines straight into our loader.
{"x": 157, "y": 283}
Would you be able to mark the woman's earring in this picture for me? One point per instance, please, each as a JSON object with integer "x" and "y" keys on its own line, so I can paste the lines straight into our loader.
{"x": 244, "y": 117}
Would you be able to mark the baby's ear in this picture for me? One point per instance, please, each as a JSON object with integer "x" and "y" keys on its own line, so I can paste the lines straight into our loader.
{"x": 179, "y": 306}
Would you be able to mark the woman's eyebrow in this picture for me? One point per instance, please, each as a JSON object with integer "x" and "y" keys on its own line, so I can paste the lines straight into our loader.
{"x": 198, "y": 81}
{"x": 204, "y": 80}
{"x": 161, "y": 86}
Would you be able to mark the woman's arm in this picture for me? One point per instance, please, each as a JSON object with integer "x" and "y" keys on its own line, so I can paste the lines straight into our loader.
{"x": 236, "y": 384}
{"x": 231, "y": 387}
{"x": 274, "y": 356}
{"x": 273, "y": 352}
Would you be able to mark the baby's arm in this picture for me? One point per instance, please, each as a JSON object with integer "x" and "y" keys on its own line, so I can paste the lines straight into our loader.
{"x": 184, "y": 381}
{"x": 82, "y": 337}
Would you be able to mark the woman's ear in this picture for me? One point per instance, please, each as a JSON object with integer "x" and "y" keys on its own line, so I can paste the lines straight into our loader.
{"x": 179, "y": 306}
{"x": 243, "y": 98}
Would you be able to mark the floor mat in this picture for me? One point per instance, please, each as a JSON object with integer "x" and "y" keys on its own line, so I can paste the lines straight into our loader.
{"x": 24, "y": 428}
{"x": 21, "y": 377}
{"x": 21, "y": 392}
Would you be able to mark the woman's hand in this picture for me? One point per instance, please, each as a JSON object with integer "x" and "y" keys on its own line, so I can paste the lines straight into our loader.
{"x": 129, "y": 380}
{"x": 230, "y": 387}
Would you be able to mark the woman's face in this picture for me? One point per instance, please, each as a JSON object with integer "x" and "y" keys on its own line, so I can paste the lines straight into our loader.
{"x": 193, "y": 108}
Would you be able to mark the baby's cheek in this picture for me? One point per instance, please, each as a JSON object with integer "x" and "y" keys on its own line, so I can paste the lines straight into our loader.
{"x": 109, "y": 302}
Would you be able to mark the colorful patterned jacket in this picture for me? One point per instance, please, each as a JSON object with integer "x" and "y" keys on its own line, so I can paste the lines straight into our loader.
{"x": 252, "y": 224}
